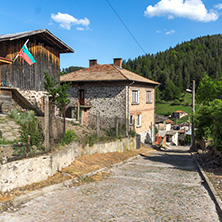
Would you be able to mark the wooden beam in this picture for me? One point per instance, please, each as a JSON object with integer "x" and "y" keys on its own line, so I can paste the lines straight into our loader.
{"x": 4, "y": 61}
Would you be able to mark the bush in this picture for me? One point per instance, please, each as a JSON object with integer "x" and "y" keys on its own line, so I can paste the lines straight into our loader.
{"x": 132, "y": 133}
{"x": 29, "y": 126}
{"x": 176, "y": 102}
{"x": 70, "y": 136}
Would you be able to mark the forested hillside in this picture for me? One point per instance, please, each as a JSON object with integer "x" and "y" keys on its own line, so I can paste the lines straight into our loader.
{"x": 70, "y": 69}
{"x": 177, "y": 67}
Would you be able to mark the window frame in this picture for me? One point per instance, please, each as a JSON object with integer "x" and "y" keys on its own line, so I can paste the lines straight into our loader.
{"x": 135, "y": 95}
{"x": 139, "y": 120}
{"x": 149, "y": 96}
{"x": 131, "y": 120}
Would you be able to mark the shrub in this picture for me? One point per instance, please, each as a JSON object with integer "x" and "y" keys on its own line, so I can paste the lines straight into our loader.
{"x": 176, "y": 102}
{"x": 29, "y": 126}
{"x": 70, "y": 136}
{"x": 132, "y": 133}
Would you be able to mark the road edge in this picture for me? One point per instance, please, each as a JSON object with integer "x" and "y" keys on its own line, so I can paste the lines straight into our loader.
{"x": 211, "y": 189}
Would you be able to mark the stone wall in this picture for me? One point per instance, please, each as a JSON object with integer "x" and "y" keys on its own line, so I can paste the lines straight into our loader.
{"x": 106, "y": 101}
{"x": 27, "y": 171}
{"x": 34, "y": 97}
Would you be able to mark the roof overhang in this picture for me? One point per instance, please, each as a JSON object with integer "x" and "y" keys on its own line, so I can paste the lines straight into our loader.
{"x": 4, "y": 61}
{"x": 110, "y": 80}
{"x": 42, "y": 35}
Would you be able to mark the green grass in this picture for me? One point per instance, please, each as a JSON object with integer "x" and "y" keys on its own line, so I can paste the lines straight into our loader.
{"x": 182, "y": 120}
{"x": 166, "y": 108}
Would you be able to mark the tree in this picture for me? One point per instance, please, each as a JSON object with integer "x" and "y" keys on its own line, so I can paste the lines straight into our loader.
{"x": 59, "y": 94}
{"x": 206, "y": 91}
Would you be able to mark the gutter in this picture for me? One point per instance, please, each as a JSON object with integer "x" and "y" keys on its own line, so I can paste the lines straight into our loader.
{"x": 127, "y": 108}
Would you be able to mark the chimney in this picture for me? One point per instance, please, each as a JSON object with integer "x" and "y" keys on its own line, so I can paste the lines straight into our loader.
{"x": 92, "y": 62}
{"x": 117, "y": 62}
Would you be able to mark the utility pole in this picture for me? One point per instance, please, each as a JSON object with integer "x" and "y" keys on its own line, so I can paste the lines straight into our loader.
{"x": 193, "y": 105}
{"x": 192, "y": 148}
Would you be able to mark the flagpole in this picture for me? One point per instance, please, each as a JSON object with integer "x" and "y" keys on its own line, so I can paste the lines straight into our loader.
{"x": 18, "y": 53}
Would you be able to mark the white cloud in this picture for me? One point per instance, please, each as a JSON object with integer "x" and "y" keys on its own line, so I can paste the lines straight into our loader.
{"x": 66, "y": 20}
{"x": 166, "y": 32}
{"x": 191, "y": 9}
{"x": 170, "y": 32}
{"x": 219, "y": 6}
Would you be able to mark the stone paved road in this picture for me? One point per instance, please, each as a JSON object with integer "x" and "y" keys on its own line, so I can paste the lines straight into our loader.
{"x": 162, "y": 186}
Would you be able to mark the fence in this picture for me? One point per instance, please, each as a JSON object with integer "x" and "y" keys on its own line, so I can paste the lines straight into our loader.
{"x": 51, "y": 127}
{"x": 112, "y": 126}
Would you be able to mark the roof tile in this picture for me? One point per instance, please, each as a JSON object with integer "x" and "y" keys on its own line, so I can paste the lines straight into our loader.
{"x": 107, "y": 72}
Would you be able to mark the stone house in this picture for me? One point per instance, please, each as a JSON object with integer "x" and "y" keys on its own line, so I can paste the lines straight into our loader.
{"x": 23, "y": 83}
{"x": 111, "y": 91}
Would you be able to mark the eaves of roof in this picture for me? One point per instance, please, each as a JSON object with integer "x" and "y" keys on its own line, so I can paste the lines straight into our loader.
{"x": 44, "y": 34}
{"x": 108, "y": 72}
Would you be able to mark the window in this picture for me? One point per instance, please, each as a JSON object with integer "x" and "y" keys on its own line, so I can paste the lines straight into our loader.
{"x": 148, "y": 96}
{"x": 135, "y": 96}
{"x": 138, "y": 121}
{"x": 131, "y": 120}
{"x": 82, "y": 97}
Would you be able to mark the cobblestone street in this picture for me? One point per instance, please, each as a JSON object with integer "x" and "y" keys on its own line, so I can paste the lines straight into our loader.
{"x": 159, "y": 186}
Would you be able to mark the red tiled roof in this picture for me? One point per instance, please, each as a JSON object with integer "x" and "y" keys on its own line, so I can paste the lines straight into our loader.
{"x": 107, "y": 72}
{"x": 179, "y": 111}
{"x": 170, "y": 121}
{"x": 182, "y": 131}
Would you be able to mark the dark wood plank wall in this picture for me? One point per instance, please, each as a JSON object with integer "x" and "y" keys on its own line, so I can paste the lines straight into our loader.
{"x": 20, "y": 74}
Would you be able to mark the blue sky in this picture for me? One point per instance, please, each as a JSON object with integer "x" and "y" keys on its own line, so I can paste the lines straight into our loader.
{"x": 93, "y": 30}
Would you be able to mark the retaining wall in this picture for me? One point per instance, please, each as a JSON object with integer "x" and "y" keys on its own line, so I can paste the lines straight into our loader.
{"x": 27, "y": 171}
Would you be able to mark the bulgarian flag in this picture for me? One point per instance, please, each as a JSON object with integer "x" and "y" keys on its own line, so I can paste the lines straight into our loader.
{"x": 25, "y": 54}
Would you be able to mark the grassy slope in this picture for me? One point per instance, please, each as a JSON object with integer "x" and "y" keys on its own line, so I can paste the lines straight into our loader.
{"x": 166, "y": 108}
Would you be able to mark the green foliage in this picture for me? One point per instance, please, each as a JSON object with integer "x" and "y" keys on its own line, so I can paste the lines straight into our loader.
{"x": 209, "y": 113}
{"x": 70, "y": 69}
{"x": 181, "y": 120}
{"x": 208, "y": 122}
{"x": 177, "y": 67}
{"x": 4, "y": 141}
{"x": 91, "y": 140}
{"x": 57, "y": 91}
{"x": 51, "y": 85}
{"x": 59, "y": 94}
{"x": 209, "y": 90}
{"x": 70, "y": 136}
{"x": 176, "y": 102}
{"x": 156, "y": 130}
{"x": 132, "y": 133}
{"x": 110, "y": 134}
{"x": 166, "y": 108}
{"x": 33, "y": 129}
{"x": 29, "y": 126}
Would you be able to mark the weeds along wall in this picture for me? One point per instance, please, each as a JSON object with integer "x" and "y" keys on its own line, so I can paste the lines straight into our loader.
{"x": 27, "y": 171}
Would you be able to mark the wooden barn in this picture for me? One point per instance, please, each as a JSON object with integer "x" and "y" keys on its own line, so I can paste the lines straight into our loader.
{"x": 21, "y": 82}
{"x": 45, "y": 48}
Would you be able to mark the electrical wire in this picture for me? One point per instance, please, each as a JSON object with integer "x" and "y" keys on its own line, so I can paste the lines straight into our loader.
{"x": 126, "y": 27}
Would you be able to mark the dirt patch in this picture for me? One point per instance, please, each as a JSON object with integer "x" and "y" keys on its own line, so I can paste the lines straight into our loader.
{"x": 82, "y": 165}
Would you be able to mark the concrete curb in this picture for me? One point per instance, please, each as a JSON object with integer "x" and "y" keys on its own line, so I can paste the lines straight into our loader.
{"x": 216, "y": 198}
{"x": 17, "y": 201}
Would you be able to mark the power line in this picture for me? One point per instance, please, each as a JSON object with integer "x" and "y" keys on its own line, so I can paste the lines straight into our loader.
{"x": 126, "y": 27}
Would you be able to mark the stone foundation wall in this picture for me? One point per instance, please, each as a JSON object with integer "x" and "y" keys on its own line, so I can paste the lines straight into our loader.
{"x": 34, "y": 97}
{"x": 27, "y": 171}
